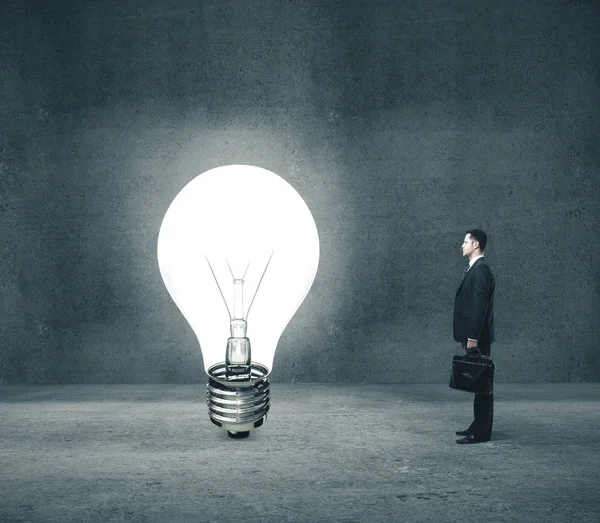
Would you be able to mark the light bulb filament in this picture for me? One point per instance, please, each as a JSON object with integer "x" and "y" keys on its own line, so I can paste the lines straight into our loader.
{"x": 238, "y": 360}
{"x": 239, "y": 313}
{"x": 233, "y": 277}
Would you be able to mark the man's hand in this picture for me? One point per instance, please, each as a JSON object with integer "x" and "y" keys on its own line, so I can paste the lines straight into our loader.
{"x": 471, "y": 344}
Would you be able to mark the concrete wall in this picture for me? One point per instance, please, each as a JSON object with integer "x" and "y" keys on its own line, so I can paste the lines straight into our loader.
{"x": 402, "y": 124}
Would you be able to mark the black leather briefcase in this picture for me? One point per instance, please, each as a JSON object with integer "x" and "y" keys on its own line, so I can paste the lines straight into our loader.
{"x": 473, "y": 372}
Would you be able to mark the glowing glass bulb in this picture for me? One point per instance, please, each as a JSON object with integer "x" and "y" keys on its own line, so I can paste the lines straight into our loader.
{"x": 238, "y": 251}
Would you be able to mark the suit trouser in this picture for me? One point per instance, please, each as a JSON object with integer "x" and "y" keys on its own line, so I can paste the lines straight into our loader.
{"x": 483, "y": 408}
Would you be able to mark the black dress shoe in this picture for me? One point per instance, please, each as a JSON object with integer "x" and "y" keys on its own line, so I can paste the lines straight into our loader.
{"x": 471, "y": 439}
{"x": 462, "y": 432}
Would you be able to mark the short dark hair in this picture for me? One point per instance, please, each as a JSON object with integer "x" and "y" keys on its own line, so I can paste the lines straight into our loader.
{"x": 479, "y": 236}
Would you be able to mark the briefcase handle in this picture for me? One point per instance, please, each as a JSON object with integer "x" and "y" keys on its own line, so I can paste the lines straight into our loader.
{"x": 470, "y": 352}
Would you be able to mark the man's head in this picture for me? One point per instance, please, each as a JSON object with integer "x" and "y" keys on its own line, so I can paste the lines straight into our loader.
{"x": 474, "y": 243}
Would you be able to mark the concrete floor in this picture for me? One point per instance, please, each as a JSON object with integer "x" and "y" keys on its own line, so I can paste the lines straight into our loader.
{"x": 327, "y": 453}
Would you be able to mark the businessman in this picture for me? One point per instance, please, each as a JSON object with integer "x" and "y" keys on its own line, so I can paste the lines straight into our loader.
{"x": 473, "y": 326}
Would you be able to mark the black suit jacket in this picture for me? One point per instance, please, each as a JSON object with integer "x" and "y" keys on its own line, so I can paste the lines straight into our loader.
{"x": 474, "y": 305}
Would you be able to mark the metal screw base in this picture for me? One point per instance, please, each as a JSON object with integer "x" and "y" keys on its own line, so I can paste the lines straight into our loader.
{"x": 237, "y": 406}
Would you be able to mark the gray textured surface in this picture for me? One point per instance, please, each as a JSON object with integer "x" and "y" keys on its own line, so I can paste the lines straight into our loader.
{"x": 402, "y": 124}
{"x": 343, "y": 453}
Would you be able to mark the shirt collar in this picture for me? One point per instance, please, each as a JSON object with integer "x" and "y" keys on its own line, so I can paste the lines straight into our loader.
{"x": 471, "y": 262}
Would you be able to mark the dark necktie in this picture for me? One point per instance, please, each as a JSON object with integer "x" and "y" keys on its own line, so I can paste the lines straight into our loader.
{"x": 465, "y": 271}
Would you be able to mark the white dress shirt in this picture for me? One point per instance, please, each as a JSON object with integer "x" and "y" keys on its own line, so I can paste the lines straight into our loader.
{"x": 471, "y": 262}
{"x": 474, "y": 260}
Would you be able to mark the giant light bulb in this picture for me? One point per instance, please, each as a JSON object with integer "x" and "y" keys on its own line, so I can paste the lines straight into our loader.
{"x": 238, "y": 251}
